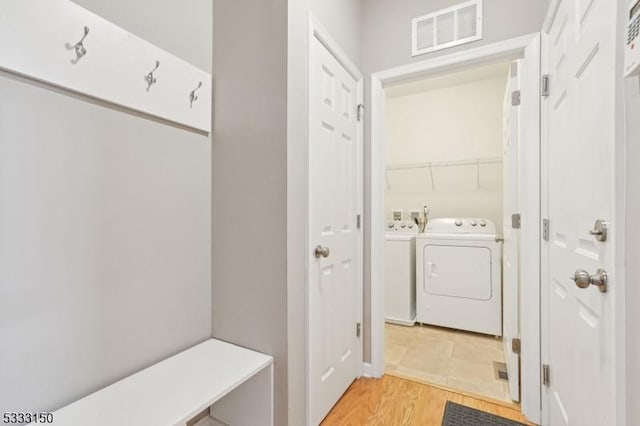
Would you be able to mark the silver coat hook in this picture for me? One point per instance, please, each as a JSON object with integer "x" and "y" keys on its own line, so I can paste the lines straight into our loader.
{"x": 79, "y": 47}
{"x": 192, "y": 96}
{"x": 150, "y": 78}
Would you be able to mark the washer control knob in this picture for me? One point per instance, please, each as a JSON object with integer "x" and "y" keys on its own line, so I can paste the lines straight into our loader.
{"x": 410, "y": 225}
{"x": 474, "y": 223}
{"x": 403, "y": 225}
{"x": 390, "y": 225}
{"x": 483, "y": 223}
{"x": 458, "y": 222}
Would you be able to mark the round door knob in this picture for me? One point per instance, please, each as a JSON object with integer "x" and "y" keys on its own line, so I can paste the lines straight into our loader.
{"x": 582, "y": 278}
{"x": 600, "y": 279}
{"x": 321, "y": 252}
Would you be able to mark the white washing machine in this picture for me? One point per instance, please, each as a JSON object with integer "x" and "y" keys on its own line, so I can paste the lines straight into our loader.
{"x": 459, "y": 275}
{"x": 400, "y": 272}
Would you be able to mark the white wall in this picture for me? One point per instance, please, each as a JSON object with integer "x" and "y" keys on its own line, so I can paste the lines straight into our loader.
{"x": 259, "y": 252}
{"x": 386, "y": 43}
{"x": 104, "y": 227}
{"x": 386, "y": 32}
{"x": 342, "y": 19}
{"x": 459, "y": 122}
{"x": 249, "y": 180}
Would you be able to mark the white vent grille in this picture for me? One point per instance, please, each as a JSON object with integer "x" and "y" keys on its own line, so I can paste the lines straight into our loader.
{"x": 448, "y": 27}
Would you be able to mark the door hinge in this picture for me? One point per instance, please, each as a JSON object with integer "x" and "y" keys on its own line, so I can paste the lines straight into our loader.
{"x": 360, "y": 112}
{"x": 545, "y": 375}
{"x": 516, "y": 221}
{"x": 544, "y": 89}
{"x": 545, "y": 229}
{"x": 516, "y": 346}
{"x": 515, "y": 98}
{"x": 358, "y": 221}
{"x": 358, "y": 330}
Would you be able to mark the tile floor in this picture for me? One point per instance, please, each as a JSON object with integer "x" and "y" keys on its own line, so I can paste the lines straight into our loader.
{"x": 456, "y": 359}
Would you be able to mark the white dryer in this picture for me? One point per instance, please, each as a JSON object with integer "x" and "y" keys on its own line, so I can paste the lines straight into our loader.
{"x": 459, "y": 275}
{"x": 400, "y": 272}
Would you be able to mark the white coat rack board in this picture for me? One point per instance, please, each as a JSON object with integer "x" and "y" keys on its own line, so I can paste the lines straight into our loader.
{"x": 65, "y": 45}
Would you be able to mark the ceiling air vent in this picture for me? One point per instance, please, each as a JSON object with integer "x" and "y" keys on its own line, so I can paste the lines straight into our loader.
{"x": 448, "y": 27}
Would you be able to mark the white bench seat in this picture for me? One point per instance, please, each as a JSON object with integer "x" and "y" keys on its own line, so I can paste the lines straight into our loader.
{"x": 177, "y": 389}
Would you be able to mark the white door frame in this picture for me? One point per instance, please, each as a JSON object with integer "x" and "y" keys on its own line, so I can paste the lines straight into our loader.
{"x": 619, "y": 230}
{"x": 318, "y": 32}
{"x": 530, "y": 326}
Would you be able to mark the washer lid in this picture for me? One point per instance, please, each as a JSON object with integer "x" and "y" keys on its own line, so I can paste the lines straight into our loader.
{"x": 466, "y": 225}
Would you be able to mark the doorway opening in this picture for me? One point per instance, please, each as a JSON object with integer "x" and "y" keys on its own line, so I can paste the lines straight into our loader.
{"x": 474, "y": 193}
{"x": 446, "y": 142}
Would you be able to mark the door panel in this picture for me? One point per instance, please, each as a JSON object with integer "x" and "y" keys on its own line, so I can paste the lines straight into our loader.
{"x": 332, "y": 293}
{"x": 510, "y": 250}
{"x": 579, "y": 154}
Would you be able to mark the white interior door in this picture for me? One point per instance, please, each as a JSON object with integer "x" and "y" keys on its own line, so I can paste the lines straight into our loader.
{"x": 579, "y": 162}
{"x": 510, "y": 250}
{"x": 333, "y": 240}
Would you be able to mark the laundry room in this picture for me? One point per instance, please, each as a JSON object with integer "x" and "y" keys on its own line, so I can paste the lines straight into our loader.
{"x": 450, "y": 171}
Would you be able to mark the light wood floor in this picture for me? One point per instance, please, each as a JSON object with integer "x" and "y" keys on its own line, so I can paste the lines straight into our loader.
{"x": 395, "y": 401}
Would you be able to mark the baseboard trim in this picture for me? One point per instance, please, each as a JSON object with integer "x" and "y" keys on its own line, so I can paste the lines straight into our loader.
{"x": 367, "y": 370}
{"x": 399, "y": 321}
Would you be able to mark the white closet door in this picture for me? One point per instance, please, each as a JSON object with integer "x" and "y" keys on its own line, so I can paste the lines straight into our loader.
{"x": 580, "y": 157}
{"x": 510, "y": 250}
{"x": 333, "y": 239}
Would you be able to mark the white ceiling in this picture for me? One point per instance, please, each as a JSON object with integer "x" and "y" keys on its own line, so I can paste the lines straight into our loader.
{"x": 485, "y": 72}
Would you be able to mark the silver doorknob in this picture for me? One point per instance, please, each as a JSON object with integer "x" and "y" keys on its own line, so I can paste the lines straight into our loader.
{"x": 321, "y": 252}
{"x": 583, "y": 279}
